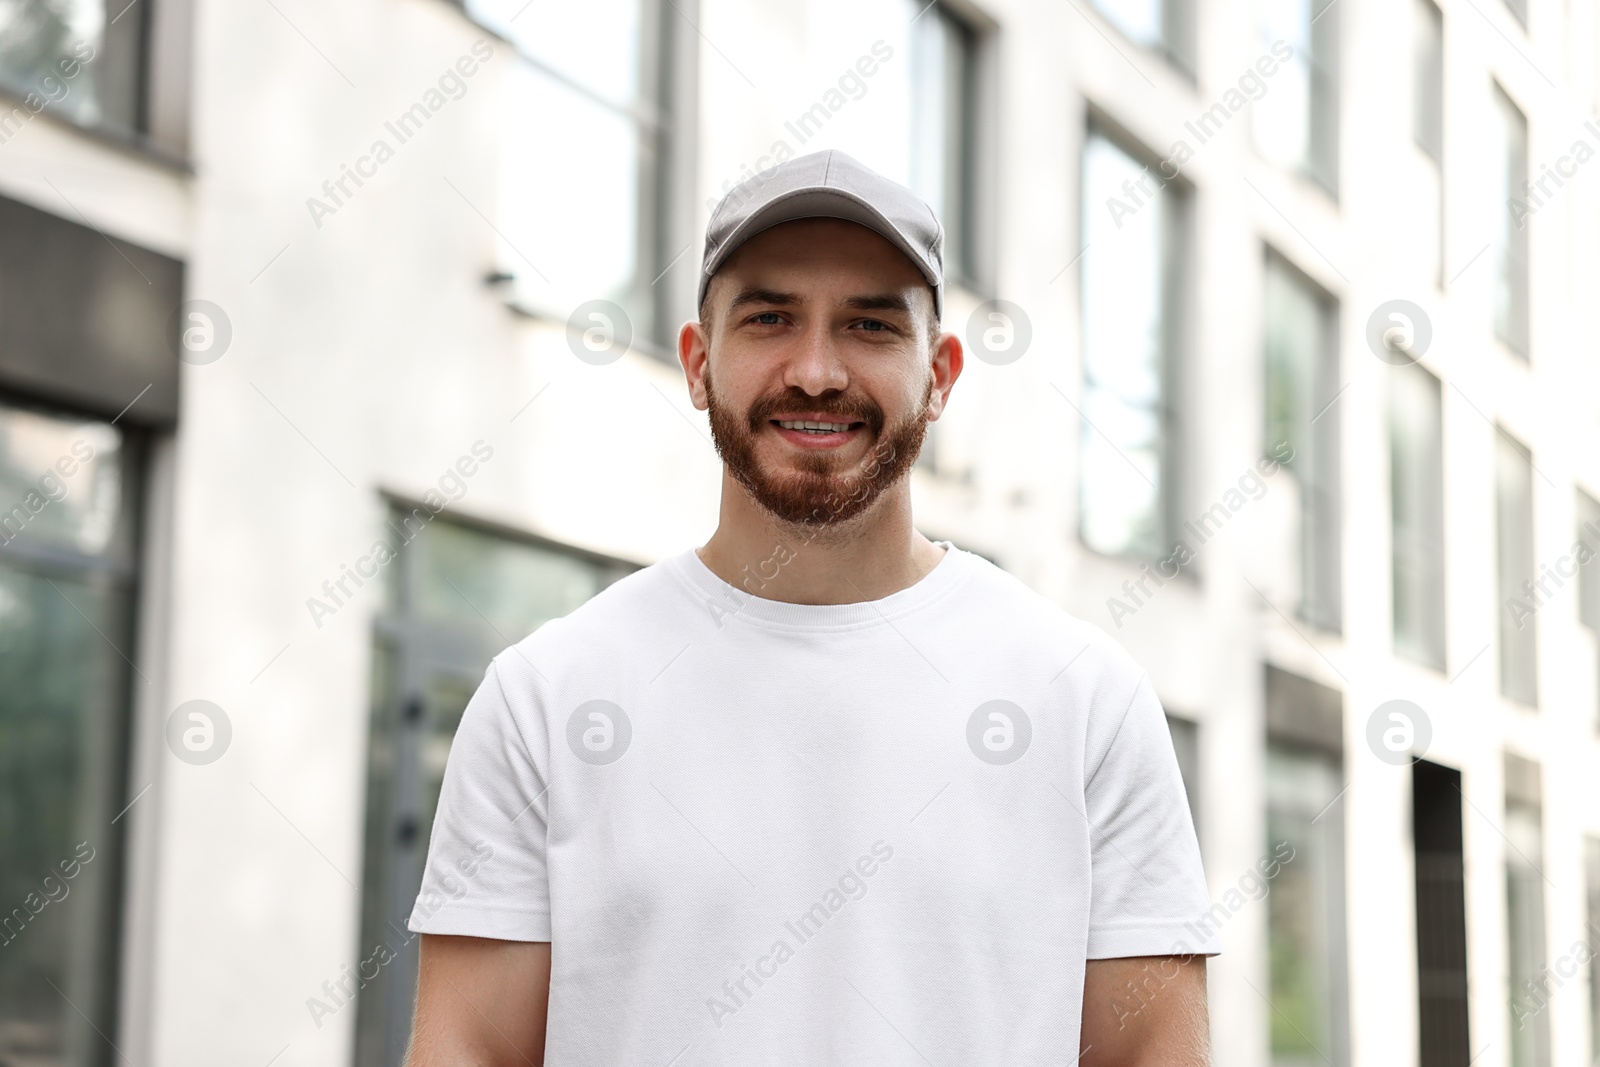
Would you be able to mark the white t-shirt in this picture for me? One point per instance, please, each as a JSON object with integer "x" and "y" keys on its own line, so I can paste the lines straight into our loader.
{"x": 757, "y": 832}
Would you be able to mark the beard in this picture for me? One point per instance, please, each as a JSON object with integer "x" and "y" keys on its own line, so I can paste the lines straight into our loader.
{"x": 819, "y": 489}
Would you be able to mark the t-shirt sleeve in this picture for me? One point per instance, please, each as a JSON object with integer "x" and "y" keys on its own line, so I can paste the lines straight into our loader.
{"x": 485, "y": 874}
{"x": 1148, "y": 896}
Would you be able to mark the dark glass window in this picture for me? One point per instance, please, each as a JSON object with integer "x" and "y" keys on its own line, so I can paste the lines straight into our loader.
{"x": 67, "y": 518}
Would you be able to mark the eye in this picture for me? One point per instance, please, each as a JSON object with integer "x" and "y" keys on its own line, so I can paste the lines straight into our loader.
{"x": 873, "y": 325}
{"x": 772, "y": 318}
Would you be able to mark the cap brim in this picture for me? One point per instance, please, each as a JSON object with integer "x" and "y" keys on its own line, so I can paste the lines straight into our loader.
{"x": 811, "y": 203}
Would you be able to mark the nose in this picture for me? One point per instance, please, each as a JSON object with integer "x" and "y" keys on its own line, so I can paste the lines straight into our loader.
{"x": 815, "y": 364}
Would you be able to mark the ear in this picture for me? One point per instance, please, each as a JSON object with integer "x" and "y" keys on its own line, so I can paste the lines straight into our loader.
{"x": 948, "y": 358}
{"x": 694, "y": 352}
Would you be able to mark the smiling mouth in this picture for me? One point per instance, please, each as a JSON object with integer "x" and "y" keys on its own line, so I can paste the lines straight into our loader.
{"x": 818, "y": 427}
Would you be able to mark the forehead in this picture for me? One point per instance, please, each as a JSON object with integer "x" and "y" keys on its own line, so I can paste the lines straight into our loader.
{"x": 821, "y": 252}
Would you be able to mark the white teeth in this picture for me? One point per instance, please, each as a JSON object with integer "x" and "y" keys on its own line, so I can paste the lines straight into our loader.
{"x": 825, "y": 427}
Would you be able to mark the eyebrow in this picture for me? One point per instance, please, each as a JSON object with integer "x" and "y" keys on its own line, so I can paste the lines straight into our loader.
{"x": 860, "y": 302}
{"x": 879, "y": 302}
{"x": 757, "y": 295}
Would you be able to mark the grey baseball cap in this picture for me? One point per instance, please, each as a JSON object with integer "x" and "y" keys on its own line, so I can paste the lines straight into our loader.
{"x": 827, "y": 184}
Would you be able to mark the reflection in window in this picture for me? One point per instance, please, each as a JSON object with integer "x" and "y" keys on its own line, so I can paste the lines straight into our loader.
{"x": 1515, "y": 568}
{"x": 79, "y": 59}
{"x": 1296, "y": 123}
{"x": 1416, "y": 512}
{"x": 1305, "y": 909}
{"x": 1125, "y": 272}
{"x": 581, "y": 152}
{"x": 1301, "y": 390}
{"x": 66, "y": 581}
{"x": 1508, "y": 241}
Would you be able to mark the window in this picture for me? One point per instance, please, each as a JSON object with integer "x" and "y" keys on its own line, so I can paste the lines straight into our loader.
{"x": 919, "y": 108}
{"x": 457, "y": 595}
{"x": 584, "y": 143}
{"x": 1427, "y": 110}
{"x": 1441, "y": 913}
{"x": 1186, "y": 744}
{"x": 1588, "y": 536}
{"x": 944, "y": 158}
{"x": 1301, "y": 386}
{"x": 82, "y": 60}
{"x": 1305, "y": 910}
{"x": 1508, "y": 242}
{"x": 1163, "y": 26}
{"x": 1127, "y": 431}
{"x": 1296, "y": 124}
{"x": 945, "y": 88}
{"x": 1515, "y": 570}
{"x": 1427, "y": 71}
{"x": 1416, "y": 514}
{"x": 1527, "y": 963}
{"x": 67, "y": 571}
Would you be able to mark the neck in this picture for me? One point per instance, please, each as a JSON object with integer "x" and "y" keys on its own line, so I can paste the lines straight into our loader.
{"x": 871, "y": 556}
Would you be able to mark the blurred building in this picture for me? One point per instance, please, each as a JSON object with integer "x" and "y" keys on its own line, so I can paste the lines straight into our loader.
{"x": 337, "y": 353}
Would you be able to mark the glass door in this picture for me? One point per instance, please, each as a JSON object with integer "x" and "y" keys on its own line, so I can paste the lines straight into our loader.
{"x": 457, "y": 595}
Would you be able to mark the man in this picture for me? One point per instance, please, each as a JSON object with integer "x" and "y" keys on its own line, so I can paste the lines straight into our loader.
{"x": 821, "y": 791}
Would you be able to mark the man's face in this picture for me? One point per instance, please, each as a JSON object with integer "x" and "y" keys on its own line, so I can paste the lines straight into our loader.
{"x": 819, "y": 320}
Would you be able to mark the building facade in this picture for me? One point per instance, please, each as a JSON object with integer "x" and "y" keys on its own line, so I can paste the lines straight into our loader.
{"x": 337, "y": 353}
